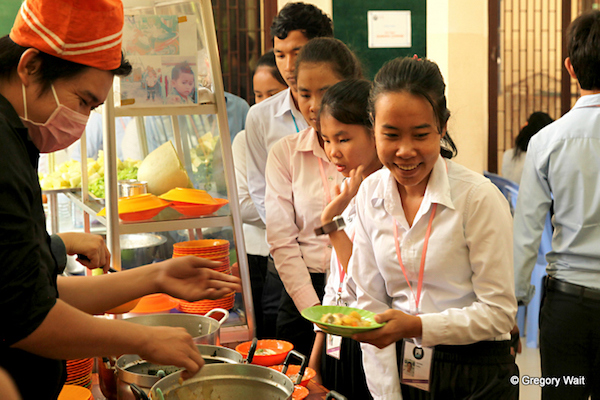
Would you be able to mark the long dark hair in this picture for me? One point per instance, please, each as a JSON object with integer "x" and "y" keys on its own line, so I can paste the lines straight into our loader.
{"x": 535, "y": 122}
{"x": 347, "y": 101}
{"x": 419, "y": 77}
{"x": 51, "y": 68}
{"x": 333, "y": 51}
{"x": 268, "y": 60}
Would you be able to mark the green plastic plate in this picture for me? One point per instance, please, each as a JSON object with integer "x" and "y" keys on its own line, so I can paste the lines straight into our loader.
{"x": 314, "y": 314}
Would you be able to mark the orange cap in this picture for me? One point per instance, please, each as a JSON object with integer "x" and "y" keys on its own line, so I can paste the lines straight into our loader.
{"x": 87, "y": 32}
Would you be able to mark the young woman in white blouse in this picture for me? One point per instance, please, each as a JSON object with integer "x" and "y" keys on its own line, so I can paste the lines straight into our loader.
{"x": 300, "y": 182}
{"x": 432, "y": 253}
{"x": 349, "y": 143}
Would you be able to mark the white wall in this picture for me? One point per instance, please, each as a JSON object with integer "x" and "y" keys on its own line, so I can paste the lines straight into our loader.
{"x": 457, "y": 40}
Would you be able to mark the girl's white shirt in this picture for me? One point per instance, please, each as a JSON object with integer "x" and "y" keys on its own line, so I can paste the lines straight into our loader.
{"x": 468, "y": 286}
{"x": 348, "y": 294}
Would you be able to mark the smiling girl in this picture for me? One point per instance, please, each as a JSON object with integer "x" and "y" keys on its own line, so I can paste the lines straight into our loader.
{"x": 300, "y": 183}
{"x": 432, "y": 253}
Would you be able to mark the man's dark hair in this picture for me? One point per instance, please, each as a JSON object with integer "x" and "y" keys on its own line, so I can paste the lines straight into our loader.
{"x": 583, "y": 47}
{"x": 301, "y": 17}
{"x": 51, "y": 68}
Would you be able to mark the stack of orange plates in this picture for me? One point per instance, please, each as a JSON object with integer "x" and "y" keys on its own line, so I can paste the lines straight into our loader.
{"x": 193, "y": 202}
{"x": 155, "y": 303}
{"x": 212, "y": 249}
{"x": 79, "y": 372}
{"x": 72, "y": 392}
{"x": 203, "y": 306}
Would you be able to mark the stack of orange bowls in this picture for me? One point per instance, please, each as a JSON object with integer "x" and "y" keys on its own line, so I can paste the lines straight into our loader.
{"x": 79, "y": 372}
{"x": 72, "y": 392}
{"x": 212, "y": 249}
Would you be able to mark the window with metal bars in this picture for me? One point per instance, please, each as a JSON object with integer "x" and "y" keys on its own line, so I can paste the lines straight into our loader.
{"x": 242, "y": 35}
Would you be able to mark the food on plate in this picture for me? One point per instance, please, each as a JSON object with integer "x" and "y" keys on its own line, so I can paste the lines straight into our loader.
{"x": 163, "y": 170}
{"x": 352, "y": 319}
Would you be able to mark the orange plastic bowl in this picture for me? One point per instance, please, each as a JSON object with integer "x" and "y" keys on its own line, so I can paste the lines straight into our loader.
{"x": 281, "y": 348}
{"x": 197, "y": 210}
{"x": 300, "y": 392}
{"x": 155, "y": 303}
{"x": 293, "y": 369}
{"x": 142, "y": 215}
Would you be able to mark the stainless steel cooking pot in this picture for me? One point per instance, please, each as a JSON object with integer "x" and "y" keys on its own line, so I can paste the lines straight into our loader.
{"x": 204, "y": 330}
{"x": 230, "y": 382}
{"x": 142, "y": 249}
{"x": 226, "y": 382}
{"x": 131, "y": 368}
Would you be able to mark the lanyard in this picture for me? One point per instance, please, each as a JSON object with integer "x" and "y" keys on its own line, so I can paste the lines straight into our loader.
{"x": 342, "y": 274}
{"x": 294, "y": 119}
{"x": 422, "y": 267}
{"x": 324, "y": 179}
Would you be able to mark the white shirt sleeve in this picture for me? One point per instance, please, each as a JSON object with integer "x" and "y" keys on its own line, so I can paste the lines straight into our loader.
{"x": 256, "y": 160}
{"x": 247, "y": 207}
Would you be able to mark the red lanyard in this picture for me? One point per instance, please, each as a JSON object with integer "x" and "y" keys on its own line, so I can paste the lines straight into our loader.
{"x": 422, "y": 267}
{"x": 324, "y": 179}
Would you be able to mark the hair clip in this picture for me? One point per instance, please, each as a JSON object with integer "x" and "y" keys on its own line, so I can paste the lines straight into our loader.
{"x": 416, "y": 57}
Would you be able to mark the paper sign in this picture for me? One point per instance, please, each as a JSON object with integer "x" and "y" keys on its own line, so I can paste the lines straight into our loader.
{"x": 389, "y": 29}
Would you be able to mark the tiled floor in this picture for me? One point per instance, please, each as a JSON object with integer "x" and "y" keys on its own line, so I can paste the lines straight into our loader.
{"x": 529, "y": 364}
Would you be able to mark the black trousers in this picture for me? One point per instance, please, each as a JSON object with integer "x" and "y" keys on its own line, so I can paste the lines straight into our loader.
{"x": 291, "y": 325}
{"x": 258, "y": 274}
{"x": 346, "y": 375}
{"x": 570, "y": 345}
{"x": 479, "y": 371}
{"x": 271, "y": 297}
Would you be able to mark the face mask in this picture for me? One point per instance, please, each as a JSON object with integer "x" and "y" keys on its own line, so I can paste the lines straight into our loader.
{"x": 61, "y": 129}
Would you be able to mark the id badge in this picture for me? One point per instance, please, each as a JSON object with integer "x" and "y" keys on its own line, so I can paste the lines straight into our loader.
{"x": 334, "y": 344}
{"x": 416, "y": 365}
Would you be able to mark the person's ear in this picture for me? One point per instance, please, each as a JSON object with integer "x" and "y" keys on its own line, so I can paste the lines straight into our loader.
{"x": 29, "y": 65}
{"x": 570, "y": 69}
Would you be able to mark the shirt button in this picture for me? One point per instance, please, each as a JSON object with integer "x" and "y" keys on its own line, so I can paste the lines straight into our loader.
{"x": 329, "y": 246}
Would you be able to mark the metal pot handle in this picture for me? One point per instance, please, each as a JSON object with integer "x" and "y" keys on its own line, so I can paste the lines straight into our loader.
{"x": 252, "y": 350}
{"x": 220, "y": 310}
{"x": 335, "y": 395}
{"x": 303, "y": 361}
{"x": 138, "y": 392}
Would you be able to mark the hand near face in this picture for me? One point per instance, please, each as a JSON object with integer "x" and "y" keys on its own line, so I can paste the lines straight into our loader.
{"x": 91, "y": 247}
{"x": 343, "y": 197}
{"x": 191, "y": 278}
{"x": 399, "y": 325}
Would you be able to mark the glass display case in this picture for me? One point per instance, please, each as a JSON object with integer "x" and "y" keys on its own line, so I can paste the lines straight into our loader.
{"x": 175, "y": 93}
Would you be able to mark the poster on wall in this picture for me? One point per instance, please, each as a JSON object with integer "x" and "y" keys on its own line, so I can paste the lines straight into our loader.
{"x": 389, "y": 29}
{"x": 163, "y": 52}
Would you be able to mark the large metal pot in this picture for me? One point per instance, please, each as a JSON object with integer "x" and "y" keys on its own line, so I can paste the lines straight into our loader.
{"x": 142, "y": 249}
{"x": 226, "y": 382}
{"x": 131, "y": 368}
{"x": 204, "y": 330}
{"x": 230, "y": 382}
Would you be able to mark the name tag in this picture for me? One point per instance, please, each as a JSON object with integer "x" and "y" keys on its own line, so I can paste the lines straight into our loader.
{"x": 333, "y": 346}
{"x": 416, "y": 365}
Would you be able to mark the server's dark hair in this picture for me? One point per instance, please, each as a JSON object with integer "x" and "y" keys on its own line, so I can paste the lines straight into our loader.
{"x": 333, "y": 51}
{"x": 303, "y": 17}
{"x": 268, "y": 60}
{"x": 419, "y": 77}
{"x": 51, "y": 68}
{"x": 347, "y": 101}
{"x": 583, "y": 48}
{"x": 535, "y": 122}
